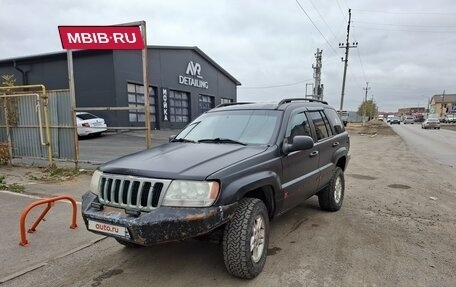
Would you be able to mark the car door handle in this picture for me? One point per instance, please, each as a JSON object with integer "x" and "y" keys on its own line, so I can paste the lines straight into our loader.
{"x": 314, "y": 153}
{"x": 335, "y": 144}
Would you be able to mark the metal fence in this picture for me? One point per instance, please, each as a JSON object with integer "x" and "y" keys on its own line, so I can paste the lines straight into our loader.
{"x": 37, "y": 123}
{"x": 61, "y": 124}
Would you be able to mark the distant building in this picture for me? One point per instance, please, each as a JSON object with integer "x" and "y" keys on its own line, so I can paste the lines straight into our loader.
{"x": 443, "y": 104}
{"x": 184, "y": 82}
{"x": 415, "y": 111}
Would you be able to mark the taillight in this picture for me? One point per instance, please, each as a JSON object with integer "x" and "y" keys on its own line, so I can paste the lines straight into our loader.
{"x": 86, "y": 125}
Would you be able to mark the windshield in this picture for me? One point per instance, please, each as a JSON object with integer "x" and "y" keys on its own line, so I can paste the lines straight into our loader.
{"x": 240, "y": 126}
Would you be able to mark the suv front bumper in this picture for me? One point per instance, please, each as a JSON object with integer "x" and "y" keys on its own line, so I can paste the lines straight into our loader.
{"x": 161, "y": 225}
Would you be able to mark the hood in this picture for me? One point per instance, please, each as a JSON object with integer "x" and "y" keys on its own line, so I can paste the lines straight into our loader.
{"x": 181, "y": 160}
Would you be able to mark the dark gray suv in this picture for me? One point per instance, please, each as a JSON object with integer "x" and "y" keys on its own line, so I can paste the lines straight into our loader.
{"x": 229, "y": 172}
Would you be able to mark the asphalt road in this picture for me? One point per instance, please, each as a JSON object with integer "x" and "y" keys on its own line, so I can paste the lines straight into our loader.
{"x": 97, "y": 150}
{"x": 434, "y": 144}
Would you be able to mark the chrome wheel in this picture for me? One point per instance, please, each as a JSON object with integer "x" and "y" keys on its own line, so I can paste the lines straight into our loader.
{"x": 338, "y": 190}
{"x": 257, "y": 239}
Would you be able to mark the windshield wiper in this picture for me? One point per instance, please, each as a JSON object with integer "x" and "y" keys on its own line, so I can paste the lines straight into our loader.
{"x": 182, "y": 140}
{"x": 221, "y": 140}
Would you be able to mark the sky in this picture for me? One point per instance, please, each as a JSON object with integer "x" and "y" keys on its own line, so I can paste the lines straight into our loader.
{"x": 406, "y": 49}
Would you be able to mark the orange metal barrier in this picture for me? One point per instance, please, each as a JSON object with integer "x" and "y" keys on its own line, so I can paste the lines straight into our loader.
{"x": 50, "y": 203}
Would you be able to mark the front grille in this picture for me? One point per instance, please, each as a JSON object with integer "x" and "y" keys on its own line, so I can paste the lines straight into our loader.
{"x": 130, "y": 192}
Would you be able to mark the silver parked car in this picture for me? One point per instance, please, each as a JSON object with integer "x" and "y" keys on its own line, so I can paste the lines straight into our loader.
{"x": 432, "y": 122}
{"x": 409, "y": 120}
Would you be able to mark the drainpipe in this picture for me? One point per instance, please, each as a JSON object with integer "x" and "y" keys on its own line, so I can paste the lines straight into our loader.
{"x": 24, "y": 74}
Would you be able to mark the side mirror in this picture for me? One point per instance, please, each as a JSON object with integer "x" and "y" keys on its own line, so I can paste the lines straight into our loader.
{"x": 171, "y": 138}
{"x": 299, "y": 143}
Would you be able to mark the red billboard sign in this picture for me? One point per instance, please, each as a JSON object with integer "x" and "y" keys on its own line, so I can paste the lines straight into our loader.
{"x": 101, "y": 37}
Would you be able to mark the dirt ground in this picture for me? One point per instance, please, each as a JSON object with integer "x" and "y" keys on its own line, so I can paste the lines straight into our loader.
{"x": 373, "y": 127}
{"x": 409, "y": 208}
{"x": 397, "y": 228}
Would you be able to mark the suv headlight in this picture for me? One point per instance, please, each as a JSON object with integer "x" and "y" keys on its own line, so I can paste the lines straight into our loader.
{"x": 95, "y": 181}
{"x": 191, "y": 193}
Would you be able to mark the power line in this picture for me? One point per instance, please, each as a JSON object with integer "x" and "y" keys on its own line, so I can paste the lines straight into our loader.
{"x": 408, "y": 89}
{"x": 367, "y": 88}
{"x": 276, "y": 86}
{"x": 359, "y": 56}
{"x": 405, "y": 13}
{"x": 346, "y": 5}
{"x": 334, "y": 50}
{"x": 341, "y": 11}
{"x": 406, "y": 25}
{"x": 324, "y": 21}
{"x": 406, "y": 30}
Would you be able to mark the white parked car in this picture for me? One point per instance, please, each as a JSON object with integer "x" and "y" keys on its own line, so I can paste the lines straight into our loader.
{"x": 432, "y": 122}
{"x": 89, "y": 124}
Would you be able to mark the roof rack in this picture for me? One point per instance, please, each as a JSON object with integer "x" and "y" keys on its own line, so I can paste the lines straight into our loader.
{"x": 286, "y": 101}
{"x": 233, "y": 104}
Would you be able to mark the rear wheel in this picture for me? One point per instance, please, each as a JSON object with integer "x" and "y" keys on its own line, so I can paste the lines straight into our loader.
{"x": 332, "y": 197}
{"x": 246, "y": 238}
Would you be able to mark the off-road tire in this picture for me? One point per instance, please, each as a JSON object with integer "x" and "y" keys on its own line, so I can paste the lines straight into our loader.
{"x": 326, "y": 198}
{"x": 237, "y": 239}
{"x": 128, "y": 244}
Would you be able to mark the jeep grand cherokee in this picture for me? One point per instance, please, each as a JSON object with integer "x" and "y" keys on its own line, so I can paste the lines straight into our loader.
{"x": 232, "y": 169}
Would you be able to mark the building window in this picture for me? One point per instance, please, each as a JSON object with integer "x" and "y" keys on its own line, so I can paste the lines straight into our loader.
{"x": 225, "y": 100}
{"x": 136, "y": 99}
{"x": 205, "y": 103}
{"x": 179, "y": 111}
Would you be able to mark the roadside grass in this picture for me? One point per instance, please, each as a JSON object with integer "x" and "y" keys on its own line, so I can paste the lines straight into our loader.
{"x": 14, "y": 187}
{"x": 53, "y": 174}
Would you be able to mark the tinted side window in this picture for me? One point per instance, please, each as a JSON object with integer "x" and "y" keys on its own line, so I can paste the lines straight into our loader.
{"x": 298, "y": 126}
{"x": 334, "y": 121}
{"x": 321, "y": 124}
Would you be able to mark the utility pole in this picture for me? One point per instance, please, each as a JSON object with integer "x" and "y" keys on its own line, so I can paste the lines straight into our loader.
{"x": 365, "y": 102}
{"x": 347, "y": 47}
{"x": 318, "y": 87}
{"x": 441, "y": 106}
{"x": 427, "y": 111}
{"x": 372, "y": 112}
